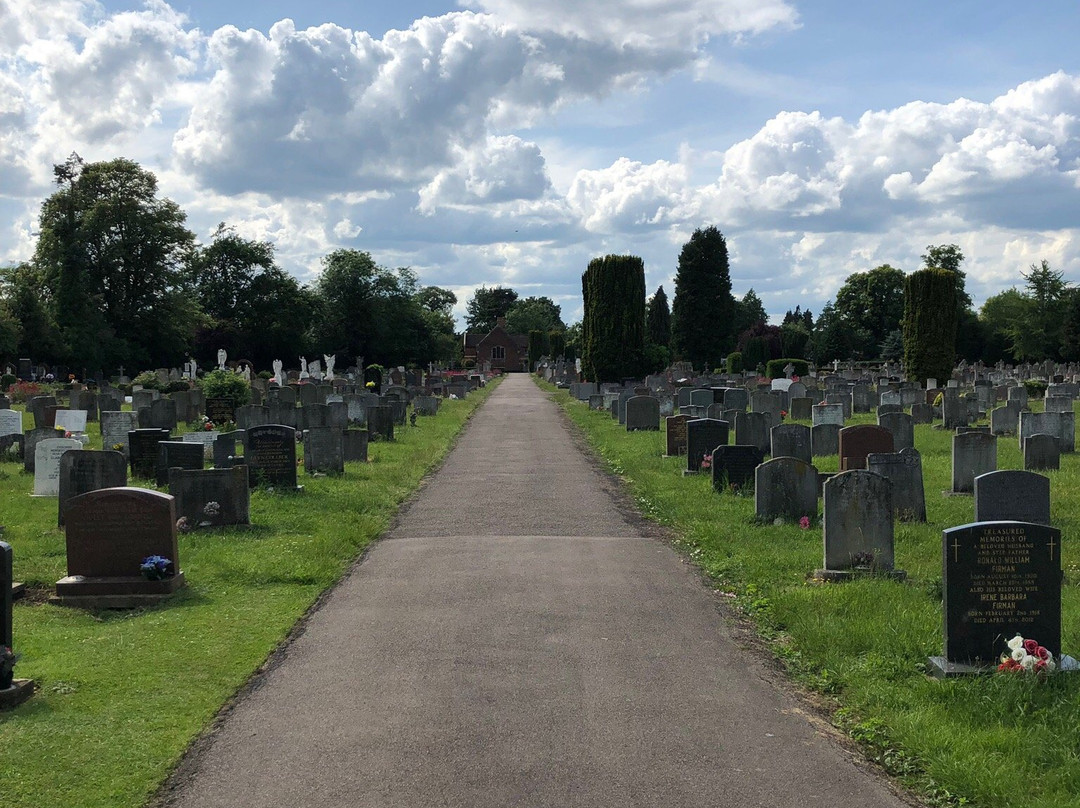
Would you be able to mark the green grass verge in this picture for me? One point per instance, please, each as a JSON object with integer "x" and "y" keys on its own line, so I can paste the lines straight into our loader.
{"x": 993, "y": 741}
{"x": 122, "y": 694}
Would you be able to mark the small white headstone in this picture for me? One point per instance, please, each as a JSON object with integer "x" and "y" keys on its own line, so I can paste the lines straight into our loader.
{"x": 10, "y": 422}
{"x": 47, "y": 464}
{"x": 71, "y": 420}
{"x": 206, "y": 438}
{"x": 782, "y": 384}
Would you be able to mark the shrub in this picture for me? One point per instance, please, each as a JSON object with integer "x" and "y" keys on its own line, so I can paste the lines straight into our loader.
{"x": 226, "y": 384}
{"x": 734, "y": 362}
{"x": 775, "y": 368}
{"x": 7, "y": 380}
{"x": 148, "y": 380}
{"x": 1036, "y": 388}
{"x": 176, "y": 387}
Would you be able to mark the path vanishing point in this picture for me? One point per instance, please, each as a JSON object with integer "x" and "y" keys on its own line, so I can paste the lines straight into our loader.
{"x": 518, "y": 638}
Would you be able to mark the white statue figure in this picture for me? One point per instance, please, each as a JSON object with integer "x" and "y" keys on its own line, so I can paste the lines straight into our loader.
{"x": 246, "y": 373}
{"x": 330, "y": 359}
{"x": 279, "y": 375}
{"x": 221, "y": 357}
{"x": 303, "y": 367}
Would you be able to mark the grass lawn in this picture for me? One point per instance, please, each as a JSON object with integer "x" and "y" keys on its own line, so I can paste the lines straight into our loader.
{"x": 122, "y": 694}
{"x": 992, "y": 741}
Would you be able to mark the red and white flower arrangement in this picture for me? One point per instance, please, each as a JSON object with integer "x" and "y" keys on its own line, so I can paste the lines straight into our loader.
{"x": 1027, "y": 656}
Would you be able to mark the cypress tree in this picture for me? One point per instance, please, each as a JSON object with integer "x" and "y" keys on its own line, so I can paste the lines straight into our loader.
{"x": 930, "y": 316}
{"x": 613, "y": 328}
{"x": 557, "y": 343}
{"x": 703, "y": 312}
{"x": 658, "y": 319}
{"x": 538, "y": 346}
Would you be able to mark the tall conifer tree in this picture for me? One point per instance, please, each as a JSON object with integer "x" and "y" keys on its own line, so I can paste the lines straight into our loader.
{"x": 613, "y": 328}
{"x": 702, "y": 314}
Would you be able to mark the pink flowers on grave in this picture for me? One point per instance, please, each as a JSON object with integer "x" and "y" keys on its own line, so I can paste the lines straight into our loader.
{"x": 804, "y": 523}
{"x": 706, "y": 462}
{"x": 1027, "y": 656}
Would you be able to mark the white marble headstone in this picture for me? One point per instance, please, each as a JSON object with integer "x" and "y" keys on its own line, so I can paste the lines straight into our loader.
{"x": 71, "y": 420}
{"x": 47, "y": 464}
{"x": 10, "y": 422}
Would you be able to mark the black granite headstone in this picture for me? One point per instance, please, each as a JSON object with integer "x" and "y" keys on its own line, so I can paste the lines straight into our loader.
{"x": 702, "y": 436}
{"x": 179, "y": 454}
{"x": 143, "y": 450}
{"x": 1000, "y": 579}
{"x": 735, "y": 465}
{"x": 270, "y": 453}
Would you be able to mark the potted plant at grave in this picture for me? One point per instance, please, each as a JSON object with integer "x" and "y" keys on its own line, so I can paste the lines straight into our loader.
{"x": 864, "y": 562}
{"x": 8, "y": 658}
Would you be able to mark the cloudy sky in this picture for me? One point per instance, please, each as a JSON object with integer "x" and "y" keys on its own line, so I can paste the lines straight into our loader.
{"x": 511, "y": 141}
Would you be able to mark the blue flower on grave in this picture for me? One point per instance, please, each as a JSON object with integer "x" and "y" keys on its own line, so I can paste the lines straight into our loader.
{"x": 156, "y": 568}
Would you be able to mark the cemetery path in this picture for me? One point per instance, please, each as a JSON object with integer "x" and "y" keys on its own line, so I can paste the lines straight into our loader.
{"x": 518, "y": 639}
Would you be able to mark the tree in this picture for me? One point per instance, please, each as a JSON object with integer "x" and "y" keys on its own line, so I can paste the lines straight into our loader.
{"x": 831, "y": 339}
{"x": 9, "y": 331}
{"x": 486, "y": 306}
{"x": 1038, "y": 335}
{"x": 112, "y": 257}
{"x": 749, "y": 312}
{"x": 37, "y": 331}
{"x": 538, "y": 346}
{"x": 223, "y": 271}
{"x": 997, "y": 316}
{"x": 613, "y": 288}
{"x": 703, "y": 312}
{"x": 437, "y": 299}
{"x": 949, "y": 258}
{"x": 436, "y": 305}
{"x": 930, "y": 317}
{"x": 1070, "y": 332}
{"x": 658, "y": 319}
{"x": 534, "y": 314}
{"x": 871, "y": 304}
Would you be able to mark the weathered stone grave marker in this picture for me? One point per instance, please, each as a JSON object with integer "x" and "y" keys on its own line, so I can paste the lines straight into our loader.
{"x": 785, "y": 488}
{"x": 857, "y": 526}
{"x": 83, "y": 470}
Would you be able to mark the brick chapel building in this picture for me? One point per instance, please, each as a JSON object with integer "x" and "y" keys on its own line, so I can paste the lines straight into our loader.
{"x": 500, "y": 349}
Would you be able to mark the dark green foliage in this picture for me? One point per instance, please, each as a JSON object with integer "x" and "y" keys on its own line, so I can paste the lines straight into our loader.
{"x": 1036, "y": 388}
{"x": 774, "y": 368}
{"x": 760, "y": 343}
{"x": 703, "y": 312}
{"x": 658, "y": 319}
{"x": 557, "y": 343}
{"x": 749, "y": 312}
{"x": 538, "y": 346}
{"x": 226, "y": 384}
{"x": 794, "y": 338}
{"x": 735, "y": 362}
{"x": 892, "y": 348}
{"x": 657, "y": 357}
{"x": 534, "y": 314}
{"x": 930, "y": 318}
{"x": 871, "y": 305}
{"x": 486, "y": 306}
{"x": 613, "y": 328}
{"x": 1070, "y": 330}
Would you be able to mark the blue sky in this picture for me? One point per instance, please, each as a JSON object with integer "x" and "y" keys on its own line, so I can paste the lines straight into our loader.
{"x": 506, "y": 142}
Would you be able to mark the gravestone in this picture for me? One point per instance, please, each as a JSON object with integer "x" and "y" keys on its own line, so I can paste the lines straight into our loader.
{"x": 211, "y": 497}
{"x": 109, "y": 533}
{"x": 184, "y": 410}
{"x": 355, "y": 445}
{"x": 307, "y": 394}
{"x": 285, "y": 395}
{"x": 1041, "y": 453}
{"x": 204, "y": 438}
{"x": 249, "y": 415}
{"x": 904, "y": 470}
{"x": 902, "y": 427}
{"x": 177, "y": 454}
{"x": 280, "y": 412}
{"x": 1061, "y": 425}
{"x": 31, "y": 438}
{"x": 642, "y": 412}
{"x": 337, "y": 414}
{"x": 1000, "y": 579}
{"x": 323, "y": 451}
{"x": 765, "y": 403}
{"x": 427, "y": 406}
{"x": 5, "y": 402}
{"x": 597, "y": 402}
{"x": 843, "y": 400}
{"x": 922, "y": 413}
{"x": 857, "y": 525}
{"x": 399, "y": 410}
{"x": 357, "y": 412}
{"x": 790, "y": 440}
{"x": 824, "y": 439}
{"x": 37, "y": 406}
{"x": 1012, "y": 496}
{"x": 1020, "y": 395}
{"x": 954, "y": 411}
{"x": 702, "y": 436}
{"x": 802, "y": 409}
{"x": 735, "y": 466}
{"x": 143, "y": 451}
{"x": 675, "y": 426}
{"x": 73, "y": 421}
{"x": 163, "y": 414}
{"x": 885, "y": 409}
{"x": 270, "y": 453}
{"x": 861, "y": 398}
{"x": 108, "y": 402}
{"x": 225, "y": 448}
{"x": 701, "y": 398}
{"x": 828, "y": 414}
{"x": 752, "y": 429}
{"x": 796, "y": 390}
{"x": 47, "y": 454}
{"x": 380, "y": 421}
{"x": 856, "y": 442}
{"x": 220, "y": 411}
{"x": 973, "y": 453}
{"x": 785, "y": 488}
{"x": 11, "y": 423}
{"x": 1004, "y": 420}
{"x": 82, "y": 470}
{"x": 1058, "y": 404}
{"x": 736, "y": 398}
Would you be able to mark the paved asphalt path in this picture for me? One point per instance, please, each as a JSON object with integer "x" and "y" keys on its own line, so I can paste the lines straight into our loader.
{"x": 517, "y": 639}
